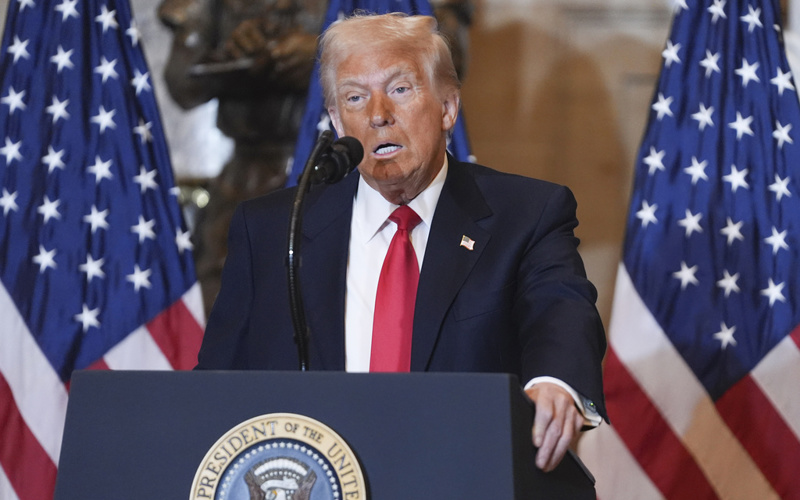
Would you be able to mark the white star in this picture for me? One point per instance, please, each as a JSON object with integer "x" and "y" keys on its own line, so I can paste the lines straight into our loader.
{"x": 11, "y": 151}
{"x": 45, "y": 259}
{"x": 710, "y": 63}
{"x": 100, "y": 169}
{"x": 732, "y": 231}
{"x": 686, "y": 275}
{"x": 783, "y": 81}
{"x": 58, "y": 109}
{"x": 781, "y": 133}
{"x": 19, "y": 49}
{"x": 140, "y": 81}
{"x": 53, "y": 159}
{"x": 728, "y": 283}
{"x": 662, "y": 106}
{"x": 780, "y": 187}
{"x": 62, "y": 59}
{"x": 14, "y": 100}
{"x": 748, "y": 72}
{"x": 93, "y": 268}
{"x": 647, "y": 213}
{"x": 139, "y": 278}
{"x": 134, "y": 33}
{"x": 752, "y": 18}
{"x": 143, "y": 131}
{"x": 67, "y": 9}
{"x": 725, "y": 335}
{"x": 324, "y": 123}
{"x": 144, "y": 229}
{"x": 678, "y": 5}
{"x": 691, "y": 222}
{"x": 106, "y": 17}
{"x": 184, "y": 240}
{"x": 717, "y": 10}
{"x": 25, "y": 3}
{"x": 145, "y": 179}
{"x": 106, "y": 68}
{"x": 104, "y": 119}
{"x": 703, "y": 116}
{"x": 774, "y": 292}
{"x": 670, "y": 54}
{"x": 777, "y": 241}
{"x": 49, "y": 209}
{"x": 741, "y": 125}
{"x": 88, "y": 318}
{"x": 97, "y": 219}
{"x": 653, "y": 160}
{"x": 737, "y": 178}
{"x": 8, "y": 201}
{"x": 697, "y": 170}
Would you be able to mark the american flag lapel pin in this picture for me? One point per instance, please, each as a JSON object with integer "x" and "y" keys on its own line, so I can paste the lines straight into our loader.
{"x": 467, "y": 242}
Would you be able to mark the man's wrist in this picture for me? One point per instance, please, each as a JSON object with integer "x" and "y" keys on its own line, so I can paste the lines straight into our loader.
{"x": 591, "y": 417}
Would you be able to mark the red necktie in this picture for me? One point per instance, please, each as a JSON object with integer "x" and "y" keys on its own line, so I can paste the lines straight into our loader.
{"x": 394, "y": 303}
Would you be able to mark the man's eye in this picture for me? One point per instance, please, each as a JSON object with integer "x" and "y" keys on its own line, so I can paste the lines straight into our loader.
{"x": 402, "y": 90}
{"x": 354, "y": 98}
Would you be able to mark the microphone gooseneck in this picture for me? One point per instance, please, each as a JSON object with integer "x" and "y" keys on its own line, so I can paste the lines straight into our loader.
{"x": 328, "y": 162}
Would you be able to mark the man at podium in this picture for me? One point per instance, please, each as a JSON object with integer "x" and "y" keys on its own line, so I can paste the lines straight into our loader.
{"x": 416, "y": 262}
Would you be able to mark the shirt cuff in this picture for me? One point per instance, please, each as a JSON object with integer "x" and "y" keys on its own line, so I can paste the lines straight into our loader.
{"x": 591, "y": 418}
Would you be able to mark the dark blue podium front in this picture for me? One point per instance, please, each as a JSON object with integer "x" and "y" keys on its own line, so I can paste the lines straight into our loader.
{"x": 417, "y": 436}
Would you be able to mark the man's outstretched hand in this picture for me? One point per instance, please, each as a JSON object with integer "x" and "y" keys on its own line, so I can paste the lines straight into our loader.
{"x": 556, "y": 422}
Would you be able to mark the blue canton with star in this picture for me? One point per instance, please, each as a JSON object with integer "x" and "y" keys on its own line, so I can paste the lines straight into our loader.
{"x": 714, "y": 230}
{"x": 92, "y": 239}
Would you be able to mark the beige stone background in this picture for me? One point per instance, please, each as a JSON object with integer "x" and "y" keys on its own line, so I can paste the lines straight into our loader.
{"x": 556, "y": 89}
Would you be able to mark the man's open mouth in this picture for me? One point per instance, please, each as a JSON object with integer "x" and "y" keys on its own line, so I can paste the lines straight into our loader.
{"x": 384, "y": 149}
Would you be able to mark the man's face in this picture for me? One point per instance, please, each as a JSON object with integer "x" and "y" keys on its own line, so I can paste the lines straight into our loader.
{"x": 384, "y": 99}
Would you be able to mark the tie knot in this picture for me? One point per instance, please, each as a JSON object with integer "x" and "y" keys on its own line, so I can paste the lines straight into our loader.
{"x": 405, "y": 218}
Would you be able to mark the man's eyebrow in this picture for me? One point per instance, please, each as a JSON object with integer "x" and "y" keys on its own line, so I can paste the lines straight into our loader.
{"x": 389, "y": 76}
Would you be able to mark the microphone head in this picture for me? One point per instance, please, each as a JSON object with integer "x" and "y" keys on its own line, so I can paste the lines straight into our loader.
{"x": 340, "y": 159}
{"x": 352, "y": 148}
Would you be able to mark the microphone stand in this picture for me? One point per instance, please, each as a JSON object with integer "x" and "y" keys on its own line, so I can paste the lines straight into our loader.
{"x": 301, "y": 334}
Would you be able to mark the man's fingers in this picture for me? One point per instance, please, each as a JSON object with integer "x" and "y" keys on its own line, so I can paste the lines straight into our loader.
{"x": 541, "y": 422}
{"x": 555, "y": 424}
{"x": 559, "y": 449}
{"x": 555, "y": 436}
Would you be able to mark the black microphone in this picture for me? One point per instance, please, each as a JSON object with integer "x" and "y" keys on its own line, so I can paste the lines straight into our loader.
{"x": 329, "y": 162}
{"x": 337, "y": 161}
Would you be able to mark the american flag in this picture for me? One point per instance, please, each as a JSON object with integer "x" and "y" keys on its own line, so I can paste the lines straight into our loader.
{"x": 316, "y": 119}
{"x": 95, "y": 260}
{"x": 703, "y": 372}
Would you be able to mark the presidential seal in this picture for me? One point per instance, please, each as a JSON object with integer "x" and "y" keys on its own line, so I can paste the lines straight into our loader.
{"x": 279, "y": 456}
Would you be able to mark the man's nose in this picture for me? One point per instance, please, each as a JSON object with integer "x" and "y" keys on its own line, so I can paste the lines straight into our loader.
{"x": 381, "y": 111}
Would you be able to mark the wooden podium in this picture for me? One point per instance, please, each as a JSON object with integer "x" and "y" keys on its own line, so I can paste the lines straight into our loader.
{"x": 134, "y": 435}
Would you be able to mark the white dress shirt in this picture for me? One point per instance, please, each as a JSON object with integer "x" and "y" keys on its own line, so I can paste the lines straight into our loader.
{"x": 371, "y": 232}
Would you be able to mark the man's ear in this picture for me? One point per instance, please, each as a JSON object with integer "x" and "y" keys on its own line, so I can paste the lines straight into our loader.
{"x": 450, "y": 107}
{"x": 336, "y": 121}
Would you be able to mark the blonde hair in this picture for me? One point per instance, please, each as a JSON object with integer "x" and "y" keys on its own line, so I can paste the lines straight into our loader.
{"x": 417, "y": 34}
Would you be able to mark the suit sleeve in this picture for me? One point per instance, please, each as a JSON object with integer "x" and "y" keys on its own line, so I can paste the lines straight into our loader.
{"x": 229, "y": 318}
{"x": 560, "y": 330}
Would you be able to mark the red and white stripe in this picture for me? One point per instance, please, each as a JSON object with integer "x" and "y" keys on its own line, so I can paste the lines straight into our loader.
{"x": 33, "y": 399}
{"x": 670, "y": 440}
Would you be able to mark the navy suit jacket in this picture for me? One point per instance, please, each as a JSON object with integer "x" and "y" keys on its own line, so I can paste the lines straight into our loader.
{"x": 518, "y": 302}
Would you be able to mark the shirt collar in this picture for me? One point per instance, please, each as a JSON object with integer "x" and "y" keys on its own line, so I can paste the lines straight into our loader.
{"x": 371, "y": 210}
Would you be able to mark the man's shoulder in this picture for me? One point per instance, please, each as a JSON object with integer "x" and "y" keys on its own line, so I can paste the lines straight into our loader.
{"x": 278, "y": 204}
{"x": 494, "y": 183}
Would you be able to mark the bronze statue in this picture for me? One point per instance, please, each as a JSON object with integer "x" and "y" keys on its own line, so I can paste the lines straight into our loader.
{"x": 255, "y": 57}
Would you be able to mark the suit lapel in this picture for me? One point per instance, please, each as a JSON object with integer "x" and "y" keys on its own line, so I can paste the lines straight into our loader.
{"x": 326, "y": 231}
{"x": 447, "y": 263}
